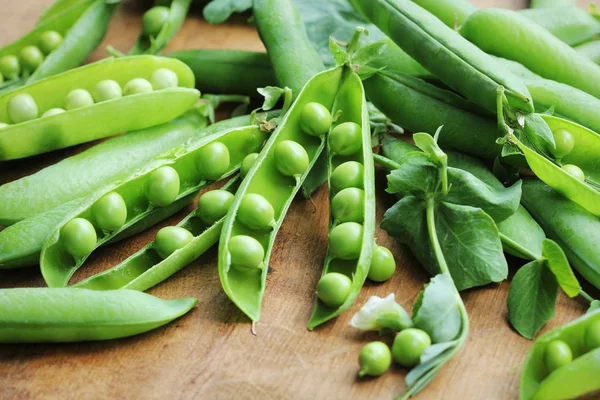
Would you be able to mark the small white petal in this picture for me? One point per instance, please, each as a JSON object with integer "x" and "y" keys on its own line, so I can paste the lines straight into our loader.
{"x": 366, "y": 318}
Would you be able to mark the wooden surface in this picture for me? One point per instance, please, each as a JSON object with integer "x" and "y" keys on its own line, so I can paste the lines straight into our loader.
{"x": 210, "y": 353}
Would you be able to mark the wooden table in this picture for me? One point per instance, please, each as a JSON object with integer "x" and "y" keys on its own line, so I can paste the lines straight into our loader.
{"x": 210, "y": 353}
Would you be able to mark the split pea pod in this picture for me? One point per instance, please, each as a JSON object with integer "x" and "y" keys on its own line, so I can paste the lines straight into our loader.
{"x": 175, "y": 176}
{"x": 59, "y": 43}
{"x": 265, "y": 194}
{"x": 152, "y": 265}
{"x": 590, "y": 50}
{"x": 570, "y": 24}
{"x": 576, "y": 230}
{"x": 107, "y": 97}
{"x": 456, "y": 62}
{"x": 351, "y": 199}
{"x": 565, "y": 362}
{"x": 533, "y": 46}
{"x": 43, "y": 315}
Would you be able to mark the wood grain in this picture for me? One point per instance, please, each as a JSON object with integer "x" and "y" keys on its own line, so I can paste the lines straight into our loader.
{"x": 211, "y": 353}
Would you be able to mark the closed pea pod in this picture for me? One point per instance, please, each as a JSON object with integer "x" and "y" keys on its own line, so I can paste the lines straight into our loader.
{"x": 173, "y": 170}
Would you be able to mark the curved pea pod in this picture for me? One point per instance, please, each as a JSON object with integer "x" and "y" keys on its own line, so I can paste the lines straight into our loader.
{"x": 246, "y": 286}
{"x": 351, "y": 105}
{"x": 43, "y": 315}
{"x": 422, "y": 107}
{"x": 572, "y": 25}
{"x": 572, "y": 380}
{"x": 82, "y": 26}
{"x": 533, "y": 46}
{"x": 178, "y": 10}
{"x": 552, "y": 3}
{"x": 585, "y": 155}
{"x": 147, "y": 268}
{"x": 106, "y": 118}
{"x": 590, "y": 50}
{"x": 183, "y": 181}
{"x": 281, "y": 29}
{"x": 452, "y": 12}
{"x": 442, "y": 51}
{"x": 228, "y": 71}
{"x": 576, "y": 230}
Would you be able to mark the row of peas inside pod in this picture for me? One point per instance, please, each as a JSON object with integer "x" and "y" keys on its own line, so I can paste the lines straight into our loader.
{"x": 29, "y": 58}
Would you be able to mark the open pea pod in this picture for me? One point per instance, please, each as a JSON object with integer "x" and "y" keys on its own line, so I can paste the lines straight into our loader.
{"x": 175, "y": 176}
{"x": 349, "y": 144}
{"x": 246, "y": 240}
{"x": 88, "y": 118}
{"x": 574, "y": 379}
{"x": 147, "y": 267}
{"x": 61, "y": 41}
{"x": 585, "y": 155}
{"x": 161, "y": 23}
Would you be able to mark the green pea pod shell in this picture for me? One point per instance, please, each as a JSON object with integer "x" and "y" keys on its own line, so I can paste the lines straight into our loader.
{"x": 456, "y": 62}
{"x": 590, "y": 50}
{"x": 452, "y": 12}
{"x": 57, "y": 265}
{"x": 570, "y": 381}
{"x": 146, "y": 268}
{"x": 351, "y": 105}
{"x": 58, "y": 8}
{"x": 42, "y": 315}
{"x": 246, "y": 287}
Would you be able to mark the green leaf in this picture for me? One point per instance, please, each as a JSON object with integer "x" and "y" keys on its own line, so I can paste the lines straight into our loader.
{"x": 537, "y": 134}
{"x": 417, "y": 176}
{"x": 531, "y": 298}
{"x": 339, "y": 55}
{"x": 557, "y": 262}
{"x": 595, "y": 305}
{"x": 218, "y": 11}
{"x": 367, "y": 53}
{"x": 429, "y": 359}
{"x": 438, "y": 313}
{"x": 430, "y": 147}
{"x": 272, "y": 94}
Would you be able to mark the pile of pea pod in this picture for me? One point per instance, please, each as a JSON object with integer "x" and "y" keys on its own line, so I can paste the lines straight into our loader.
{"x": 505, "y": 162}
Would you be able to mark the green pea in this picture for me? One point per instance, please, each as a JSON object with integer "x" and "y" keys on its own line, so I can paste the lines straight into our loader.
{"x": 49, "y": 41}
{"x": 247, "y": 163}
{"x": 290, "y": 158}
{"x": 255, "y": 212}
{"x": 333, "y": 289}
{"x": 375, "y": 359}
{"x": 3, "y": 125}
{"x": 31, "y": 58}
{"x": 564, "y": 142}
{"x": 246, "y": 252}
{"x": 79, "y": 237}
{"x": 349, "y": 205}
{"x": 592, "y": 335}
{"x": 348, "y": 174}
{"x": 163, "y": 78}
{"x": 170, "y": 239}
{"x": 137, "y": 86}
{"x": 110, "y": 212}
{"x": 22, "y": 108}
{"x": 315, "y": 119}
{"x": 345, "y": 241}
{"x": 163, "y": 186}
{"x": 557, "y": 354}
{"x": 212, "y": 161}
{"x": 107, "y": 90}
{"x": 409, "y": 345}
{"x": 345, "y": 139}
{"x": 154, "y": 20}
{"x": 78, "y": 98}
{"x": 382, "y": 266}
{"x": 10, "y": 67}
{"x": 213, "y": 205}
{"x": 575, "y": 171}
{"x": 53, "y": 111}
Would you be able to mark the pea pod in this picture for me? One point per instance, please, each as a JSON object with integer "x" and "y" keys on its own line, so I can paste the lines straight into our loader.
{"x": 533, "y": 46}
{"x": 590, "y": 50}
{"x": 442, "y": 51}
{"x": 576, "y": 230}
{"x": 146, "y": 268}
{"x": 41, "y": 315}
{"x": 228, "y": 71}
{"x": 57, "y": 8}
{"x": 584, "y": 155}
{"x": 350, "y": 104}
{"x": 452, "y": 12}
{"x": 277, "y": 175}
{"x": 29, "y": 135}
{"x": 78, "y": 27}
{"x": 570, "y": 24}
{"x": 552, "y": 3}
{"x": 174, "y": 176}
{"x": 572, "y": 380}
